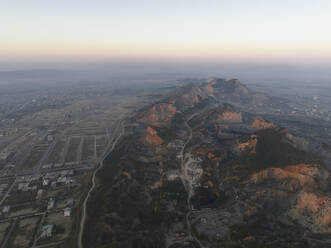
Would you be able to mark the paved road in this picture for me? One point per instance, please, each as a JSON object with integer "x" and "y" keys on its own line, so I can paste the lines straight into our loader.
{"x": 49, "y": 244}
{"x": 82, "y": 222}
{"x": 24, "y": 152}
{"x": 22, "y": 216}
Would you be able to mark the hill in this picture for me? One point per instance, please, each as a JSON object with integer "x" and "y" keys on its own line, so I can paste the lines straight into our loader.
{"x": 196, "y": 170}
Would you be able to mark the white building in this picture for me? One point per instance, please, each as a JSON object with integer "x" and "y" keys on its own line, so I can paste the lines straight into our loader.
{"x": 67, "y": 212}
{"x": 45, "y": 182}
{"x": 6, "y": 209}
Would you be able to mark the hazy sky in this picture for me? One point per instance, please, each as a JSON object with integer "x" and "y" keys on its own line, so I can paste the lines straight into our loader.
{"x": 288, "y": 30}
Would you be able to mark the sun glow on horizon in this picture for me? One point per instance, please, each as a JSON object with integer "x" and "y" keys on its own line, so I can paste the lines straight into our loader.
{"x": 169, "y": 30}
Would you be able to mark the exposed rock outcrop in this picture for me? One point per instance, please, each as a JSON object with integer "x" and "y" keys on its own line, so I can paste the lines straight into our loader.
{"x": 260, "y": 123}
{"x": 159, "y": 114}
{"x": 152, "y": 137}
{"x": 301, "y": 176}
{"x": 230, "y": 116}
{"x": 313, "y": 212}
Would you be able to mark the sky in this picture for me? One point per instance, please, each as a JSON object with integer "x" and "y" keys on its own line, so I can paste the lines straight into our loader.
{"x": 193, "y": 30}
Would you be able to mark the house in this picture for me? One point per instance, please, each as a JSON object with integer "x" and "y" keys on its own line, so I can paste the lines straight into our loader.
{"x": 67, "y": 212}
{"x": 46, "y": 231}
{"x": 47, "y": 166}
{"x": 69, "y": 180}
{"x": 6, "y": 209}
{"x": 51, "y": 203}
{"x": 39, "y": 194}
{"x": 45, "y": 182}
{"x": 62, "y": 179}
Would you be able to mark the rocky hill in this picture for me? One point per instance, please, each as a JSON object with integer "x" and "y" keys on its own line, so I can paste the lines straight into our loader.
{"x": 196, "y": 170}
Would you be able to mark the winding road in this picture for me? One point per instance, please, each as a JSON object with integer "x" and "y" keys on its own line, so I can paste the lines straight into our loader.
{"x": 187, "y": 185}
{"x": 101, "y": 164}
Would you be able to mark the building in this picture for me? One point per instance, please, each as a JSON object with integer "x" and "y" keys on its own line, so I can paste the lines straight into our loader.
{"x": 47, "y": 166}
{"x": 70, "y": 180}
{"x": 6, "y": 209}
{"x": 45, "y": 182}
{"x": 46, "y": 231}
{"x": 39, "y": 194}
{"x": 62, "y": 179}
{"x": 51, "y": 203}
{"x": 67, "y": 212}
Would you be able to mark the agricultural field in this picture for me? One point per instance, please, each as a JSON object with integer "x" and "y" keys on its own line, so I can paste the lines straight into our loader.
{"x": 62, "y": 227}
{"x": 34, "y": 157}
{"x": 101, "y": 145}
{"x": 23, "y": 232}
{"x": 4, "y": 227}
{"x": 88, "y": 149}
{"x": 23, "y": 209}
{"x": 55, "y": 155}
{"x": 18, "y": 197}
{"x": 73, "y": 149}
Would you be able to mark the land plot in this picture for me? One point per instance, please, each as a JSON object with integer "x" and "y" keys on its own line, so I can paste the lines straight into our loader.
{"x": 34, "y": 157}
{"x": 23, "y": 232}
{"x": 54, "y": 156}
{"x": 87, "y": 131}
{"x": 88, "y": 149}
{"x": 101, "y": 145}
{"x": 73, "y": 149}
{"x": 4, "y": 228}
{"x": 61, "y": 227}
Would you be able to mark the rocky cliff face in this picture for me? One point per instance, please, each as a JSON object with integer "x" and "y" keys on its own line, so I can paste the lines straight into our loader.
{"x": 193, "y": 171}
